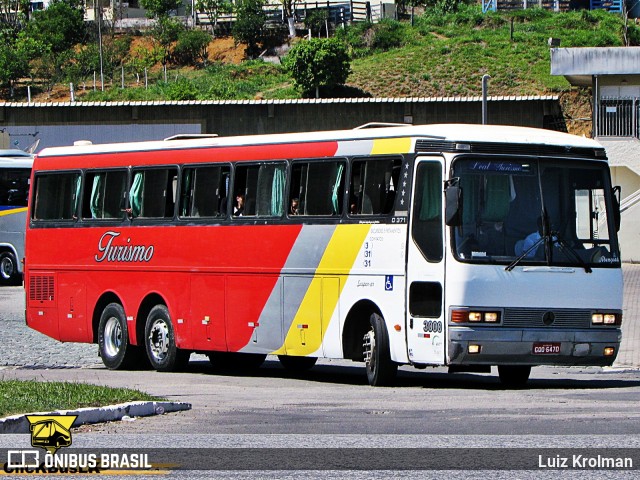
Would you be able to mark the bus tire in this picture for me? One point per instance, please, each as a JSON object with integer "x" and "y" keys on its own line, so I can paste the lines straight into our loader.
{"x": 160, "y": 342}
{"x": 381, "y": 370}
{"x": 113, "y": 339}
{"x": 297, "y": 364}
{"x": 8, "y": 268}
{"x": 514, "y": 376}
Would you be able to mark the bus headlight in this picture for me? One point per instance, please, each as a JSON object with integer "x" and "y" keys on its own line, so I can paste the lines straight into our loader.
{"x": 606, "y": 318}
{"x": 464, "y": 315}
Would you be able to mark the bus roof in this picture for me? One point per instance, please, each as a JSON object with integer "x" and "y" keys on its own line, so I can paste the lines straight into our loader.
{"x": 14, "y": 158}
{"x": 445, "y": 132}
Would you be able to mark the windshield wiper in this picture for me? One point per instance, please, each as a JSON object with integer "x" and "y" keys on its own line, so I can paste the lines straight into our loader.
{"x": 552, "y": 239}
{"x": 524, "y": 254}
{"x": 570, "y": 252}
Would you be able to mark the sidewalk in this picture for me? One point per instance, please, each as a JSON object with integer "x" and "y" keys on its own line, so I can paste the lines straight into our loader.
{"x": 629, "y": 355}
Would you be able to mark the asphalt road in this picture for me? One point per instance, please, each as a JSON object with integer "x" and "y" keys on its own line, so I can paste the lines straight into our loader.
{"x": 331, "y": 407}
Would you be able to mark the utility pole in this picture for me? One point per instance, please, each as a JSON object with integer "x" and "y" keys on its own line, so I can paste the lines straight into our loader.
{"x": 485, "y": 81}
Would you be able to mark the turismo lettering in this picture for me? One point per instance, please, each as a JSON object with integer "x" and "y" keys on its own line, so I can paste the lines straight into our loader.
{"x": 122, "y": 253}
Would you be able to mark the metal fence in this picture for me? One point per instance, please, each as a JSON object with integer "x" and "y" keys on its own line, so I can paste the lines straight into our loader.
{"x": 617, "y": 117}
{"x": 339, "y": 12}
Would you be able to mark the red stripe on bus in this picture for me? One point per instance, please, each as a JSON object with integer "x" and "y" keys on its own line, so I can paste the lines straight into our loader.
{"x": 188, "y": 155}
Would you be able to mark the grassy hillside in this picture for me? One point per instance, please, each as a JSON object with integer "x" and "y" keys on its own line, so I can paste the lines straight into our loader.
{"x": 445, "y": 56}
{"x": 439, "y": 55}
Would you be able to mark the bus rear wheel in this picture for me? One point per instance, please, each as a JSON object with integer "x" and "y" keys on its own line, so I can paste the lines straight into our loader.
{"x": 297, "y": 364}
{"x": 113, "y": 340}
{"x": 160, "y": 342}
{"x": 514, "y": 375}
{"x": 381, "y": 370}
{"x": 8, "y": 268}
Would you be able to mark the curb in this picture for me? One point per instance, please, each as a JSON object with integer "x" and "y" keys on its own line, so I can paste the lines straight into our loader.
{"x": 88, "y": 415}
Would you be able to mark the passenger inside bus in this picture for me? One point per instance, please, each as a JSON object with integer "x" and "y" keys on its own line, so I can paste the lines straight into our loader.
{"x": 293, "y": 210}
{"x": 238, "y": 208}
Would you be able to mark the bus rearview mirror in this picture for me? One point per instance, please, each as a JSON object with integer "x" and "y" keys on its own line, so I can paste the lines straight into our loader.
{"x": 453, "y": 202}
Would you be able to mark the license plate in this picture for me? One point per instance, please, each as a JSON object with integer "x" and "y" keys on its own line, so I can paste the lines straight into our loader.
{"x": 552, "y": 348}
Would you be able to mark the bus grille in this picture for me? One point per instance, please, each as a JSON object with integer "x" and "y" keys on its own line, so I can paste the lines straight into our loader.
{"x": 539, "y": 317}
{"x": 41, "y": 288}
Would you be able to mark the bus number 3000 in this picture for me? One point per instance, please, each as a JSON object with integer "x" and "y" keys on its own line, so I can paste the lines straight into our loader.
{"x": 432, "y": 326}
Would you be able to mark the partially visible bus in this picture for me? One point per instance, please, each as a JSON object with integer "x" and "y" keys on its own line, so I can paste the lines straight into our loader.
{"x": 15, "y": 171}
{"x": 459, "y": 245}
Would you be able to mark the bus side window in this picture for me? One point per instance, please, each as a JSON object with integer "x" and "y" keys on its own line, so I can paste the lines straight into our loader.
{"x": 104, "y": 194}
{"x": 373, "y": 186}
{"x": 152, "y": 193}
{"x": 204, "y": 191}
{"x": 57, "y": 196}
{"x": 262, "y": 188}
{"x": 318, "y": 187}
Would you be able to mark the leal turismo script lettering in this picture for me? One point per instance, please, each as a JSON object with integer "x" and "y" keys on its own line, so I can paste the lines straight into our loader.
{"x": 111, "y": 252}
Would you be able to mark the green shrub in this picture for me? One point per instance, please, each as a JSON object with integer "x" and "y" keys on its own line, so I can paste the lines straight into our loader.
{"x": 318, "y": 62}
{"x": 191, "y": 47}
{"x": 182, "y": 89}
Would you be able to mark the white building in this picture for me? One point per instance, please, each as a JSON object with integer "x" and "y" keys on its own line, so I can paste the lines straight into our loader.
{"x": 613, "y": 73}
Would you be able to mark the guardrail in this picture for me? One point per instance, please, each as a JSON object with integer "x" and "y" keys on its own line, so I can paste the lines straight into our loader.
{"x": 341, "y": 12}
{"x": 630, "y": 201}
{"x": 555, "y": 5}
{"x": 617, "y": 117}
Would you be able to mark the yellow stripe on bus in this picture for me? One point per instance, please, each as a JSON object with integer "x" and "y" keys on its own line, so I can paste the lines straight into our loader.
{"x": 12, "y": 211}
{"x": 316, "y": 309}
{"x": 391, "y": 145}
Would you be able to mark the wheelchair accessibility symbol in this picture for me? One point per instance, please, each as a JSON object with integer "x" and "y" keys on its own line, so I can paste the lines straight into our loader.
{"x": 388, "y": 283}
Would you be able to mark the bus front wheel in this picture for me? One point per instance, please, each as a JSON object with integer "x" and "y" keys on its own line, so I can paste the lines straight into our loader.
{"x": 8, "y": 268}
{"x": 514, "y": 375}
{"x": 160, "y": 342}
{"x": 113, "y": 339}
{"x": 381, "y": 370}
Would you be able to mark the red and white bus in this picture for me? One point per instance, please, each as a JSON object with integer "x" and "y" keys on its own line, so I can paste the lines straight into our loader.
{"x": 461, "y": 245}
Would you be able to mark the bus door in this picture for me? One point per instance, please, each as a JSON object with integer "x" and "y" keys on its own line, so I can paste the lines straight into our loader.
{"x": 208, "y": 312}
{"x": 425, "y": 264}
{"x": 309, "y": 304}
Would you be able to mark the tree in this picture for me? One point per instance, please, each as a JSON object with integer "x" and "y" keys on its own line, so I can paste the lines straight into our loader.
{"x": 60, "y": 26}
{"x": 165, "y": 32}
{"x": 318, "y": 62}
{"x": 213, "y": 9}
{"x": 11, "y": 66}
{"x": 13, "y": 13}
{"x": 249, "y": 25}
{"x": 160, "y": 8}
{"x": 288, "y": 7}
{"x": 192, "y": 47}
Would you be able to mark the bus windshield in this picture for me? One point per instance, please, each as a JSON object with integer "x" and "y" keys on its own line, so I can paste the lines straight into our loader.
{"x": 535, "y": 211}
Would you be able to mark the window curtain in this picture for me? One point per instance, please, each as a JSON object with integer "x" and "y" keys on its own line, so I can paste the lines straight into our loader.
{"x": 277, "y": 191}
{"x": 76, "y": 197}
{"x": 335, "y": 194}
{"x": 135, "y": 194}
{"x": 97, "y": 197}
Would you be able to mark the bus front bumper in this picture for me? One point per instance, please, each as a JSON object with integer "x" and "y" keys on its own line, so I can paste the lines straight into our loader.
{"x": 539, "y": 346}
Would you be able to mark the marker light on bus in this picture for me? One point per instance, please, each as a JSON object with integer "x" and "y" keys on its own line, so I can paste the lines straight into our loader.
{"x": 601, "y": 318}
{"x": 474, "y": 348}
{"x": 474, "y": 316}
{"x": 609, "y": 351}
